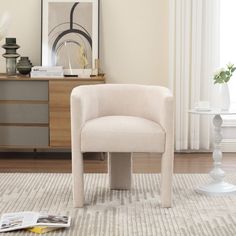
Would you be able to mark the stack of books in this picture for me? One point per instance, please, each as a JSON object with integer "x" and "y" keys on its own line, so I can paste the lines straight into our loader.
{"x": 47, "y": 71}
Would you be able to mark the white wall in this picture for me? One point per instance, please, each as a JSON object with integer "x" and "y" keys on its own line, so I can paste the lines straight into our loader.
{"x": 134, "y": 41}
{"x": 25, "y": 26}
{"x": 133, "y": 37}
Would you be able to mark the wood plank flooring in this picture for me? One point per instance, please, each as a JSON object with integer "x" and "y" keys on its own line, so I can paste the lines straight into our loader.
{"x": 142, "y": 163}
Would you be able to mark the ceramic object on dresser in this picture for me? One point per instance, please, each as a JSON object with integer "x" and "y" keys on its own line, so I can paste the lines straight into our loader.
{"x": 24, "y": 65}
{"x": 10, "y": 46}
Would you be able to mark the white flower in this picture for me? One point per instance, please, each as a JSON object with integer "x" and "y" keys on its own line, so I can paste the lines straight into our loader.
{"x": 230, "y": 65}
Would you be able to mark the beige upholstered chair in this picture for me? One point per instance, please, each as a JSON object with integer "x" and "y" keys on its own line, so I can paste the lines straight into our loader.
{"x": 121, "y": 119}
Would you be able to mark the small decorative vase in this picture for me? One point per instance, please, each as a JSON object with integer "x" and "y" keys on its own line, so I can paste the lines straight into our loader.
{"x": 24, "y": 66}
{"x": 222, "y": 97}
{"x": 225, "y": 97}
{"x": 11, "y": 55}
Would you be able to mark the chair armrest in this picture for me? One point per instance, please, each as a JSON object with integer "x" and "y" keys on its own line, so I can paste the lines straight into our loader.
{"x": 84, "y": 105}
{"x": 167, "y": 116}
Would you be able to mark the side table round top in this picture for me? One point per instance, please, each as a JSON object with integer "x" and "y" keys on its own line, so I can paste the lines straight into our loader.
{"x": 212, "y": 111}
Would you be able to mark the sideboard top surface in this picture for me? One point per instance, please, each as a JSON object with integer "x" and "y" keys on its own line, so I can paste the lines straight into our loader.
{"x": 26, "y": 78}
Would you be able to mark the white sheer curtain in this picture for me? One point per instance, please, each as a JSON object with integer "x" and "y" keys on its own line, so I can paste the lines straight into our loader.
{"x": 194, "y": 56}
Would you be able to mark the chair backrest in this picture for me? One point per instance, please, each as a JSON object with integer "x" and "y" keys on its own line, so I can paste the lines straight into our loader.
{"x": 122, "y": 99}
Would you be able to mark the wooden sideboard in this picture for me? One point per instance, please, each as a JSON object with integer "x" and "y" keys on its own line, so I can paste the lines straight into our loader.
{"x": 35, "y": 112}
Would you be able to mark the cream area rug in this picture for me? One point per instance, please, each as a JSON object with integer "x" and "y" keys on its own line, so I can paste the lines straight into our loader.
{"x": 136, "y": 212}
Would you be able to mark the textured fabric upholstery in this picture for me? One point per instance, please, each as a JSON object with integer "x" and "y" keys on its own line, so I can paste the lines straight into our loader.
{"x": 122, "y": 118}
{"x": 122, "y": 134}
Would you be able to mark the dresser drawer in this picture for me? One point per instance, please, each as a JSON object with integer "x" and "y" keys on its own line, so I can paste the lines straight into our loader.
{"x": 24, "y": 90}
{"x": 24, "y": 113}
{"x": 24, "y": 136}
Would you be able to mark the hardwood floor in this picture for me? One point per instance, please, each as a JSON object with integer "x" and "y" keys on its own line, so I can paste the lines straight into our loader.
{"x": 142, "y": 163}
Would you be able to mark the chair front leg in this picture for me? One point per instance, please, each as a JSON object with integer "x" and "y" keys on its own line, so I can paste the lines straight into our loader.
{"x": 78, "y": 179}
{"x": 166, "y": 179}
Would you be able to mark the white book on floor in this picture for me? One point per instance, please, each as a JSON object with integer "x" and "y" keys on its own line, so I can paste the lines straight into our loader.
{"x": 30, "y": 219}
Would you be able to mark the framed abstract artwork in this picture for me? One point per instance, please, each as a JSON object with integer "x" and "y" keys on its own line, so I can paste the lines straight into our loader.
{"x": 70, "y": 35}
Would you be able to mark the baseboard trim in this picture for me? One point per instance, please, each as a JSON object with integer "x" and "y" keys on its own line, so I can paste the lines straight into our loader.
{"x": 228, "y": 145}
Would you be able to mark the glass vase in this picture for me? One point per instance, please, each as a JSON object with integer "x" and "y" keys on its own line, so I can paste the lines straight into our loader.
{"x": 10, "y": 46}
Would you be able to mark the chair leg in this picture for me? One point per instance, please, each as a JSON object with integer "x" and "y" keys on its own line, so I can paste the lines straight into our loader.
{"x": 120, "y": 170}
{"x": 78, "y": 179}
{"x": 166, "y": 180}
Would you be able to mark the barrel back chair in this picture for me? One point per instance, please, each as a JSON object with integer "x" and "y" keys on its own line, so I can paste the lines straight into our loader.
{"x": 122, "y": 119}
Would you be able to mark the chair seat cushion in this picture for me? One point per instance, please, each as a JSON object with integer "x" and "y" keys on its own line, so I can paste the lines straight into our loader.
{"x": 122, "y": 134}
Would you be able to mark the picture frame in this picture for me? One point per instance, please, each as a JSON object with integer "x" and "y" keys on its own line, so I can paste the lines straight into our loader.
{"x": 70, "y": 35}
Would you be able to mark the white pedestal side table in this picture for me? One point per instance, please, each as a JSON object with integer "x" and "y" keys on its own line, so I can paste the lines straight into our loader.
{"x": 218, "y": 186}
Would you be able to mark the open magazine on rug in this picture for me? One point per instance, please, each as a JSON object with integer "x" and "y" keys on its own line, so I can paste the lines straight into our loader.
{"x": 30, "y": 219}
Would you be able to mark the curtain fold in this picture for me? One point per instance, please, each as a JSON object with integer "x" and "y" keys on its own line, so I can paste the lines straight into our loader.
{"x": 194, "y": 56}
